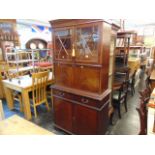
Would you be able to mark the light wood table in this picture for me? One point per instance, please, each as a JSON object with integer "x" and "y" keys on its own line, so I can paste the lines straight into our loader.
{"x": 24, "y": 87}
{"x": 152, "y": 78}
{"x": 16, "y": 125}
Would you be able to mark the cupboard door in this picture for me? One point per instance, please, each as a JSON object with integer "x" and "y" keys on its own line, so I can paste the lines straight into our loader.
{"x": 87, "y": 78}
{"x": 64, "y": 75}
{"x": 87, "y": 43}
{"x": 85, "y": 120}
{"x": 62, "y": 114}
{"x": 63, "y": 40}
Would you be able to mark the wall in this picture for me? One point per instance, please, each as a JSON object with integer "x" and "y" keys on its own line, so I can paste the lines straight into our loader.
{"x": 28, "y": 31}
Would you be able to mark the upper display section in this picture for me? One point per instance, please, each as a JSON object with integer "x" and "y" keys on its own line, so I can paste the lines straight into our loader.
{"x": 81, "y": 40}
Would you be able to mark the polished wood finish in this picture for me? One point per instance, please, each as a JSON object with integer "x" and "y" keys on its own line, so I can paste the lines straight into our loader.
{"x": 81, "y": 68}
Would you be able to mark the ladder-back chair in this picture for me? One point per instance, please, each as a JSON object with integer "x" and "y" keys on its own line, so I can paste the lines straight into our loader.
{"x": 39, "y": 83}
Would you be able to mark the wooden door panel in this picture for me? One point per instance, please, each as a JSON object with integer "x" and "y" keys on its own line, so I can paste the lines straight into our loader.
{"x": 87, "y": 78}
{"x": 63, "y": 114}
{"x": 85, "y": 120}
{"x": 64, "y": 75}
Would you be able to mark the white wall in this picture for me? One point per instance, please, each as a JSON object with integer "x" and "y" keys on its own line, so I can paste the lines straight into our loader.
{"x": 26, "y": 34}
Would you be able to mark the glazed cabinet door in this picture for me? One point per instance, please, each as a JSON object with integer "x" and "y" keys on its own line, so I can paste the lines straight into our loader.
{"x": 87, "y": 40}
{"x": 63, "y": 41}
{"x": 62, "y": 114}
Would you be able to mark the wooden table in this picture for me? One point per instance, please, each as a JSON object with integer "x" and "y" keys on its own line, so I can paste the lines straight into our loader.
{"x": 16, "y": 125}
{"x": 152, "y": 78}
{"x": 24, "y": 87}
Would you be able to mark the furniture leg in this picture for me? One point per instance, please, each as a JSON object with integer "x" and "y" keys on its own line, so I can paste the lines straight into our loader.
{"x": 9, "y": 98}
{"x": 119, "y": 111}
{"x": 20, "y": 102}
{"x": 111, "y": 118}
{"x": 47, "y": 106}
{"x": 26, "y": 104}
{"x": 125, "y": 104}
{"x": 35, "y": 111}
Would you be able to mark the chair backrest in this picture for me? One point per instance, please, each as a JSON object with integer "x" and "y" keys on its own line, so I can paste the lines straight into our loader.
{"x": 39, "y": 83}
{"x": 1, "y": 111}
{"x": 123, "y": 90}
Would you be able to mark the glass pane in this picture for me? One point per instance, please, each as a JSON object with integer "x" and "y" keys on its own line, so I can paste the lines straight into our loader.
{"x": 63, "y": 44}
{"x": 87, "y": 43}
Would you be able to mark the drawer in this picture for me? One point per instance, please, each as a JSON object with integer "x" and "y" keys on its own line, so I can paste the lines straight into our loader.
{"x": 77, "y": 99}
{"x": 62, "y": 94}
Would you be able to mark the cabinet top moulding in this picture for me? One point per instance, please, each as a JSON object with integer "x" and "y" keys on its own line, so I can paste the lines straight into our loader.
{"x": 125, "y": 34}
{"x": 71, "y": 22}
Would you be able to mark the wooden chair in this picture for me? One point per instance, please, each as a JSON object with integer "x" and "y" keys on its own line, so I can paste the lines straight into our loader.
{"x": 1, "y": 111}
{"x": 120, "y": 97}
{"x": 132, "y": 83}
{"x": 39, "y": 83}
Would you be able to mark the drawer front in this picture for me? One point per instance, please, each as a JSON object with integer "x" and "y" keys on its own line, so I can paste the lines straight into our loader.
{"x": 85, "y": 101}
{"x": 62, "y": 94}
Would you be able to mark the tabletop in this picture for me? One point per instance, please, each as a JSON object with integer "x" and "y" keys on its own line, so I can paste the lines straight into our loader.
{"x": 25, "y": 81}
{"x": 16, "y": 125}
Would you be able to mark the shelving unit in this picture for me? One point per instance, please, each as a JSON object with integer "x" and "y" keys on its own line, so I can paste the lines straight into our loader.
{"x": 31, "y": 58}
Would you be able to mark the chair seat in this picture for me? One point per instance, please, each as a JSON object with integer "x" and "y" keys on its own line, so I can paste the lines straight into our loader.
{"x": 116, "y": 95}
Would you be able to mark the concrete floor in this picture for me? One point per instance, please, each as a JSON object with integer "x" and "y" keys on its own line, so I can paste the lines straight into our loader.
{"x": 127, "y": 125}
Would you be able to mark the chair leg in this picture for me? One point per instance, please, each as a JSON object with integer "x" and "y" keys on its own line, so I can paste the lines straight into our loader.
{"x": 20, "y": 102}
{"x": 111, "y": 118}
{"x": 35, "y": 111}
{"x": 119, "y": 112}
{"x": 125, "y": 105}
{"x": 47, "y": 106}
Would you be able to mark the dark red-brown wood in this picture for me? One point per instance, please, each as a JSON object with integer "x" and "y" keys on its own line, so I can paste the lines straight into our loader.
{"x": 81, "y": 94}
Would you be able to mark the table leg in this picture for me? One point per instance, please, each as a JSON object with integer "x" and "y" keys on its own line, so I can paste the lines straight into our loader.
{"x": 26, "y": 104}
{"x": 9, "y": 98}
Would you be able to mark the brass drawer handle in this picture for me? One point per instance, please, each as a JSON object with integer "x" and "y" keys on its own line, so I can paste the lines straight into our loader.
{"x": 61, "y": 94}
{"x": 83, "y": 100}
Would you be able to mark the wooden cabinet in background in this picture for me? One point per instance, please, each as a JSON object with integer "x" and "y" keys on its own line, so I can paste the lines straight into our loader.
{"x": 81, "y": 69}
